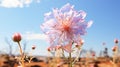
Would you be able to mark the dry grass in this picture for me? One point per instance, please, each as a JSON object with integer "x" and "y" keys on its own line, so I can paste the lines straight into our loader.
{"x": 6, "y": 62}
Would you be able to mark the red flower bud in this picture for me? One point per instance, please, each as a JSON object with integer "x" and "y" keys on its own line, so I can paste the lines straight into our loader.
{"x": 48, "y": 49}
{"x": 82, "y": 42}
{"x": 33, "y": 47}
{"x": 116, "y": 41}
{"x": 114, "y": 48}
{"x": 16, "y": 37}
{"x": 77, "y": 45}
{"x": 93, "y": 54}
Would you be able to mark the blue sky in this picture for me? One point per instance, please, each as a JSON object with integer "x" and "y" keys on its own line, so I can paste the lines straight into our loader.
{"x": 27, "y": 17}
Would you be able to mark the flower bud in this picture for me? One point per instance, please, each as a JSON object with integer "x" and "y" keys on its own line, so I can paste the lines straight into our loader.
{"x": 77, "y": 45}
{"x": 16, "y": 37}
{"x": 82, "y": 42}
{"x": 114, "y": 48}
{"x": 33, "y": 47}
{"x": 93, "y": 54}
{"x": 48, "y": 49}
{"x": 116, "y": 41}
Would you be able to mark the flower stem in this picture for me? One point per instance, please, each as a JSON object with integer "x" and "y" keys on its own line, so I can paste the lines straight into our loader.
{"x": 22, "y": 56}
{"x": 77, "y": 56}
{"x": 70, "y": 59}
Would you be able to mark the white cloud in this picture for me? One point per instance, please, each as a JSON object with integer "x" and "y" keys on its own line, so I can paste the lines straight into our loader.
{"x": 16, "y": 3}
{"x": 34, "y": 36}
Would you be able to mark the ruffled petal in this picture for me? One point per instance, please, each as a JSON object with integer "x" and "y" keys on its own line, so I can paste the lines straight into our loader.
{"x": 66, "y": 8}
{"x": 65, "y": 25}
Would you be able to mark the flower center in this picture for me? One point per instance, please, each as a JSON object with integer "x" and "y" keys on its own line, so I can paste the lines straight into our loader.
{"x": 66, "y": 27}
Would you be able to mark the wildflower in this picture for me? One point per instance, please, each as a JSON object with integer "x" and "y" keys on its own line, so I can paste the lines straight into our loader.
{"x": 116, "y": 41}
{"x": 65, "y": 25}
{"x": 80, "y": 43}
{"x": 16, "y": 37}
{"x": 33, "y": 47}
{"x": 114, "y": 48}
{"x": 49, "y": 49}
{"x": 93, "y": 54}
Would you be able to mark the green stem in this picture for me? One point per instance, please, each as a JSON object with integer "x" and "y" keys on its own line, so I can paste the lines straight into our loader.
{"x": 22, "y": 56}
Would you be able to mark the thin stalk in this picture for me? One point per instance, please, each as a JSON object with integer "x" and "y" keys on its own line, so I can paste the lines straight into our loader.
{"x": 63, "y": 53}
{"x": 77, "y": 56}
{"x": 48, "y": 58}
{"x": 22, "y": 56}
{"x": 70, "y": 59}
{"x": 30, "y": 59}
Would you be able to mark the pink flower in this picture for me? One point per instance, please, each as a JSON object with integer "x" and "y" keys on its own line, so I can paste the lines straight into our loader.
{"x": 114, "y": 48}
{"x": 33, "y": 47}
{"x": 79, "y": 43}
{"x": 65, "y": 25}
{"x": 49, "y": 49}
{"x": 116, "y": 41}
{"x": 16, "y": 37}
{"x": 93, "y": 54}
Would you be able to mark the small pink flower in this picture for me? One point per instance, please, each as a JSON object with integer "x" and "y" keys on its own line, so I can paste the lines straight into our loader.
{"x": 80, "y": 43}
{"x": 49, "y": 49}
{"x": 93, "y": 54}
{"x": 116, "y": 41}
{"x": 33, "y": 47}
{"x": 77, "y": 45}
{"x": 16, "y": 37}
{"x": 114, "y": 48}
